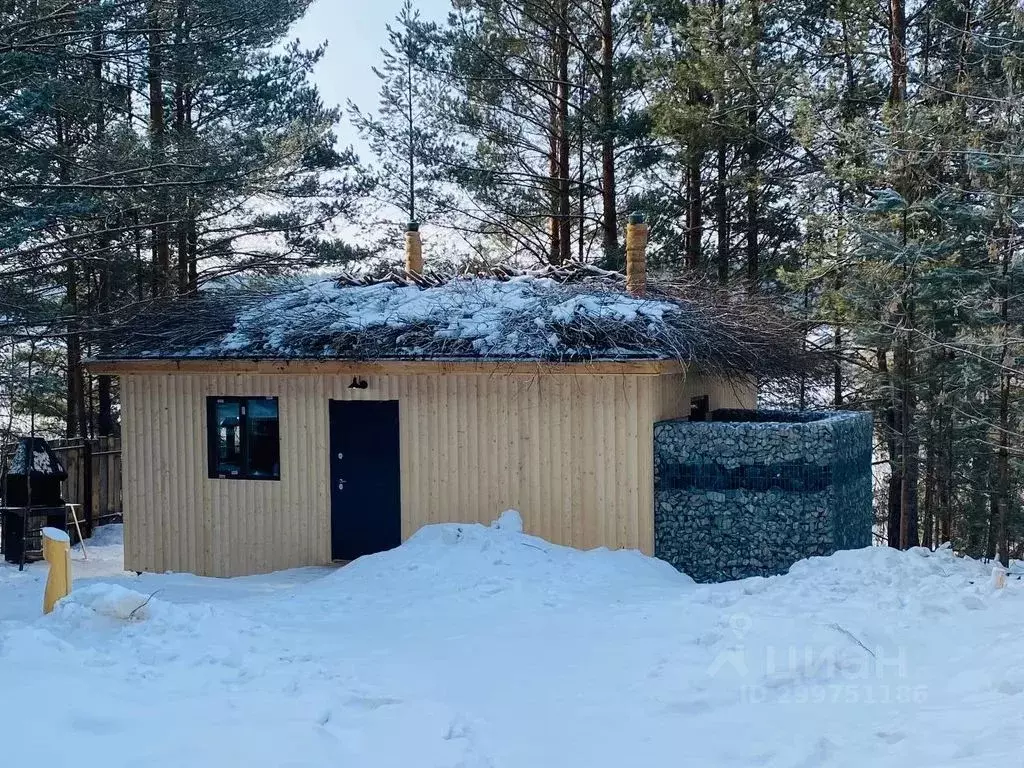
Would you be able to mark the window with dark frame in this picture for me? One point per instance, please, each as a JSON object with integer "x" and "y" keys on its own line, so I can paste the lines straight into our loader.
{"x": 243, "y": 438}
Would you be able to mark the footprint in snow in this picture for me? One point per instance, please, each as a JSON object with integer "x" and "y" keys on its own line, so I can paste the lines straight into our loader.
{"x": 371, "y": 703}
{"x": 1011, "y": 686}
{"x": 709, "y": 638}
{"x": 691, "y": 707}
{"x": 967, "y": 749}
{"x": 973, "y": 603}
{"x": 891, "y": 737}
{"x": 458, "y": 729}
{"x": 823, "y": 749}
{"x": 934, "y": 609}
{"x": 491, "y": 588}
{"x": 94, "y": 724}
{"x": 472, "y": 757}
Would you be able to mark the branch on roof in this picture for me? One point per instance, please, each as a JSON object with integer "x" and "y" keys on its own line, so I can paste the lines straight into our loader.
{"x": 575, "y": 313}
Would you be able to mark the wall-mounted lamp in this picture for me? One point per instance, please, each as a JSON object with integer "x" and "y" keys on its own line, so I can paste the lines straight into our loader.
{"x": 358, "y": 383}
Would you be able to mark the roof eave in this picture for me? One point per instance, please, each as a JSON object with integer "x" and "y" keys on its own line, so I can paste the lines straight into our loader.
{"x": 304, "y": 367}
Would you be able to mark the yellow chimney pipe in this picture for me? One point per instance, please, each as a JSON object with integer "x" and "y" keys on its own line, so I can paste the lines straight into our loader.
{"x": 636, "y": 255}
{"x": 413, "y": 249}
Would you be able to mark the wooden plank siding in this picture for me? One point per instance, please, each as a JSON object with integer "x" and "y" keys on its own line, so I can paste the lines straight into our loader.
{"x": 572, "y": 453}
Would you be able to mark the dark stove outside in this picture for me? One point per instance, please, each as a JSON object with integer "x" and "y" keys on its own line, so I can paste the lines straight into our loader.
{"x": 31, "y": 500}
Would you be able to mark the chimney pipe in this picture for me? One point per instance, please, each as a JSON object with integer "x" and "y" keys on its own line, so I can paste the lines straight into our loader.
{"x": 636, "y": 255}
{"x": 413, "y": 249}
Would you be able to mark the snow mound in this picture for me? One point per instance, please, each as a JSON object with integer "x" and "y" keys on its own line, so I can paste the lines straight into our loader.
{"x": 882, "y": 569}
{"x": 117, "y": 603}
{"x": 915, "y": 586}
{"x": 510, "y": 521}
{"x": 112, "y": 601}
{"x": 474, "y": 559}
{"x": 107, "y": 536}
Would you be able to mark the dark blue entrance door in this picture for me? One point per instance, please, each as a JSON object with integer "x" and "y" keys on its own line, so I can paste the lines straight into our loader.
{"x": 366, "y": 500}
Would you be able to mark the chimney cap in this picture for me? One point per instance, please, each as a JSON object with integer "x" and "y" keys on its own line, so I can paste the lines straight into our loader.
{"x": 636, "y": 218}
{"x": 412, "y": 226}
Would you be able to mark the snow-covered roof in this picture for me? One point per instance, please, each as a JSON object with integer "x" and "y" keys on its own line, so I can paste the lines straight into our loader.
{"x": 512, "y": 317}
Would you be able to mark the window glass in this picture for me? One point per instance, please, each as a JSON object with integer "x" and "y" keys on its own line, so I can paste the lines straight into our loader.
{"x": 244, "y": 440}
{"x": 263, "y": 439}
{"x": 228, "y": 437}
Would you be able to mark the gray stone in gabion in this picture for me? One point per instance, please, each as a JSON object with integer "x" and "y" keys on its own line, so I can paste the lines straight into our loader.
{"x": 750, "y": 493}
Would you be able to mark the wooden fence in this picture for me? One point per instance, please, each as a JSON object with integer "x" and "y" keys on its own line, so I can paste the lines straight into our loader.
{"x": 94, "y": 476}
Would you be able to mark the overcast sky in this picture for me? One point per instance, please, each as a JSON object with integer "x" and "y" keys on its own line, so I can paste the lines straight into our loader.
{"x": 354, "y": 32}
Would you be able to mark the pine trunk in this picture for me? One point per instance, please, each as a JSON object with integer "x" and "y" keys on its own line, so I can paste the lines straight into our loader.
{"x": 837, "y": 287}
{"x": 104, "y": 276}
{"x": 694, "y": 209}
{"x": 160, "y": 244}
{"x": 181, "y": 124}
{"x": 75, "y": 389}
{"x": 906, "y": 405}
{"x": 554, "y": 148}
{"x": 894, "y": 502}
{"x": 754, "y": 156}
{"x": 910, "y": 450}
{"x": 892, "y": 429}
{"x": 991, "y": 544}
{"x": 1003, "y": 440}
{"x": 722, "y": 214}
{"x": 897, "y": 53}
{"x": 609, "y": 212}
{"x": 193, "y": 253}
{"x": 104, "y": 384}
{"x": 183, "y": 127}
{"x": 722, "y": 160}
{"x": 929, "y": 494}
{"x": 554, "y": 231}
{"x": 904, "y": 395}
{"x": 944, "y": 482}
{"x": 76, "y": 425}
{"x": 581, "y": 178}
{"x": 564, "y": 149}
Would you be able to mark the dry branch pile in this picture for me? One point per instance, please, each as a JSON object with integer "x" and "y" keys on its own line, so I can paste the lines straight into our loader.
{"x": 574, "y": 314}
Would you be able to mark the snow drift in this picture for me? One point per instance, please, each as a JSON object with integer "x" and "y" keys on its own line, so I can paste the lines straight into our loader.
{"x": 480, "y": 646}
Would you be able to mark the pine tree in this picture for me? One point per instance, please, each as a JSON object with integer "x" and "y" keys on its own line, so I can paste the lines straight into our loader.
{"x": 407, "y": 136}
{"x": 539, "y": 98}
{"x": 150, "y": 146}
{"x": 721, "y": 81}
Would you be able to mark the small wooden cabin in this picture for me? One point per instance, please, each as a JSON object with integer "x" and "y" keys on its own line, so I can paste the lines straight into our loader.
{"x": 243, "y": 467}
{"x": 321, "y": 420}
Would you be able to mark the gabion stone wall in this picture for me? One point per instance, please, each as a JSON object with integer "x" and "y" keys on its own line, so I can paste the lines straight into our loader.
{"x": 751, "y": 492}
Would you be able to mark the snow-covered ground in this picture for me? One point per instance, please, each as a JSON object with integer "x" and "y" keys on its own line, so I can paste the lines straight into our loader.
{"x": 474, "y": 646}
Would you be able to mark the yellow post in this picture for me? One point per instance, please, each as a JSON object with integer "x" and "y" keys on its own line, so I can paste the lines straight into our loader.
{"x": 999, "y": 577}
{"x": 56, "y": 552}
{"x": 636, "y": 255}
{"x": 413, "y": 249}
